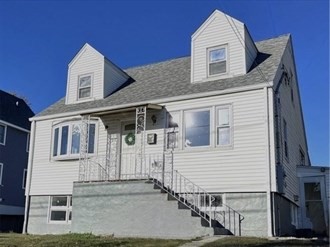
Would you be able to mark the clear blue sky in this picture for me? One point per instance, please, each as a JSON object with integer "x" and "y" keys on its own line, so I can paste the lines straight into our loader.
{"x": 39, "y": 38}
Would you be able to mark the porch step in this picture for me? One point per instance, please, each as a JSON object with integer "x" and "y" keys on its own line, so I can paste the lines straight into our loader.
{"x": 218, "y": 229}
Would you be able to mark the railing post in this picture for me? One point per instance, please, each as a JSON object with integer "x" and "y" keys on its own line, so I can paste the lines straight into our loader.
{"x": 210, "y": 205}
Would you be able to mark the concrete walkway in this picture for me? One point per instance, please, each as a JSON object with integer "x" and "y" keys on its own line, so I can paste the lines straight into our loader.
{"x": 201, "y": 242}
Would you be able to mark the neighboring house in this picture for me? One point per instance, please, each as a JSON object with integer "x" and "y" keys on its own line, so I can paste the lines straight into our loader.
{"x": 220, "y": 131}
{"x": 14, "y": 151}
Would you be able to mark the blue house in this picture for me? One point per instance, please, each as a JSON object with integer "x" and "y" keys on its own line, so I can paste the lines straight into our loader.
{"x": 14, "y": 152}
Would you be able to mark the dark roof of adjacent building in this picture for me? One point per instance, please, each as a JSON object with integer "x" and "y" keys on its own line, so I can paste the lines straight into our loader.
{"x": 172, "y": 78}
{"x": 14, "y": 110}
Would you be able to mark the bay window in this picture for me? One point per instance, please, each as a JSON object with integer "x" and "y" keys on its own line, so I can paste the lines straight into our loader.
{"x": 66, "y": 139}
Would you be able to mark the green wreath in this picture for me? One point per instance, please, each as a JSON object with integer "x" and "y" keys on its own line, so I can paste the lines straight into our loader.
{"x": 130, "y": 139}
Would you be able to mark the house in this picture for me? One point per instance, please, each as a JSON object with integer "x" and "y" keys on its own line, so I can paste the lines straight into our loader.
{"x": 14, "y": 150}
{"x": 203, "y": 144}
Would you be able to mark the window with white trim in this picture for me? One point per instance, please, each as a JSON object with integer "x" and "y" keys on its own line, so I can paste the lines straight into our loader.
{"x": 294, "y": 215}
{"x": 172, "y": 130}
{"x": 28, "y": 142}
{"x": 217, "y": 60}
{"x": 1, "y": 173}
{"x": 60, "y": 209}
{"x": 85, "y": 86}
{"x": 197, "y": 128}
{"x": 285, "y": 135}
{"x": 223, "y": 125}
{"x": 3, "y": 131}
{"x": 66, "y": 139}
{"x": 217, "y": 201}
{"x": 24, "y": 179}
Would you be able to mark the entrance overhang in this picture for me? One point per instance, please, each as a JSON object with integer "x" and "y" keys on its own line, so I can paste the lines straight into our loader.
{"x": 126, "y": 109}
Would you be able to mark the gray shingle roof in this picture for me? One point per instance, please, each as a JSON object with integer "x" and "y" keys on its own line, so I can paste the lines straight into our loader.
{"x": 172, "y": 78}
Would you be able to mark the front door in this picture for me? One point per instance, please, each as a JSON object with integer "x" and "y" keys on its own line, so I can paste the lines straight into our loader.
{"x": 127, "y": 158}
{"x": 314, "y": 196}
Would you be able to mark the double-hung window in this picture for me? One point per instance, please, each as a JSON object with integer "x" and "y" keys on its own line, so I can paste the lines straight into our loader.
{"x": 60, "y": 209}
{"x": 3, "y": 130}
{"x": 197, "y": 128}
{"x": 66, "y": 139}
{"x": 217, "y": 60}
{"x": 85, "y": 86}
{"x": 223, "y": 125}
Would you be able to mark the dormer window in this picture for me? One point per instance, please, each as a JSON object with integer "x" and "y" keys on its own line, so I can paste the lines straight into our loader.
{"x": 85, "y": 87}
{"x": 217, "y": 60}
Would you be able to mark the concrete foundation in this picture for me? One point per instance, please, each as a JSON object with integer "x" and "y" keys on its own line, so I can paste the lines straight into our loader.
{"x": 38, "y": 220}
{"x": 132, "y": 208}
{"x": 137, "y": 209}
{"x": 253, "y": 206}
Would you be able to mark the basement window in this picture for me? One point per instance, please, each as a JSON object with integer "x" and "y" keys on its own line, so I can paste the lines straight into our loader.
{"x": 217, "y": 60}
{"x": 60, "y": 209}
{"x": 216, "y": 203}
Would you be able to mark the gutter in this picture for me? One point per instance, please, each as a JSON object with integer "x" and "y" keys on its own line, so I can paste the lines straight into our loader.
{"x": 156, "y": 101}
{"x": 29, "y": 175}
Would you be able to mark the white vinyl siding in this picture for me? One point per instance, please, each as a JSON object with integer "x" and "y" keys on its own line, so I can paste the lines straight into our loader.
{"x": 48, "y": 176}
{"x": 295, "y": 127}
{"x": 240, "y": 168}
{"x": 250, "y": 50}
{"x": 114, "y": 78}
{"x": 217, "y": 31}
{"x": 236, "y": 169}
{"x": 89, "y": 61}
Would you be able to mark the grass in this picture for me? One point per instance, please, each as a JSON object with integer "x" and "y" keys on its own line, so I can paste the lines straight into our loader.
{"x": 81, "y": 240}
{"x": 261, "y": 242}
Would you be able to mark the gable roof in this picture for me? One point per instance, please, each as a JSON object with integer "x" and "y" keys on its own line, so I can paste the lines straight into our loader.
{"x": 172, "y": 78}
{"x": 14, "y": 110}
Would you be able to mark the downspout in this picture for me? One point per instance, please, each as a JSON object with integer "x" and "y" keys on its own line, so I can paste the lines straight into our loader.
{"x": 29, "y": 175}
{"x": 269, "y": 179}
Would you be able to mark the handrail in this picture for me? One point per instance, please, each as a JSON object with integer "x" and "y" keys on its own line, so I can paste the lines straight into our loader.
{"x": 159, "y": 168}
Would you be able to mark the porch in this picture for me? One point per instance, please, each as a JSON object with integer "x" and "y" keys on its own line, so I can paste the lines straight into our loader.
{"x": 139, "y": 146}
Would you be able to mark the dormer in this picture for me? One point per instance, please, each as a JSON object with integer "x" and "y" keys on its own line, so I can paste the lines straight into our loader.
{"x": 91, "y": 76}
{"x": 221, "y": 48}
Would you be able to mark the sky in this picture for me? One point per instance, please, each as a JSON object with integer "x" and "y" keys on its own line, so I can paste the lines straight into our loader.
{"x": 38, "y": 39}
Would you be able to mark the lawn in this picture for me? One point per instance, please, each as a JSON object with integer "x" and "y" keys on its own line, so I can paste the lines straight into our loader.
{"x": 80, "y": 240}
{"x": 261, "y": 242}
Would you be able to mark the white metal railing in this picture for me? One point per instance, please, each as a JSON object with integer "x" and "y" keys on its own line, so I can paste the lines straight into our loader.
{"x": 159, "y": 168}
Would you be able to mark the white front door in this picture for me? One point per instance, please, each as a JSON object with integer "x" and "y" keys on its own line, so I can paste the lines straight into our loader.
{"x": 127, "y": 157}
{"x": 314, "y": 203}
